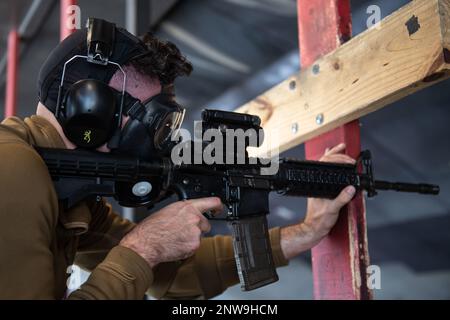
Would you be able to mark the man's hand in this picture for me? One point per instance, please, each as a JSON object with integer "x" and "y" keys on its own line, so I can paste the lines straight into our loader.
{"x": 321, "y": 214}
{"x": 173, "y": 233}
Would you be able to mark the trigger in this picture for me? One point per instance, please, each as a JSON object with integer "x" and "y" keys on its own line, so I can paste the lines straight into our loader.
{"x": 208, "y": 215}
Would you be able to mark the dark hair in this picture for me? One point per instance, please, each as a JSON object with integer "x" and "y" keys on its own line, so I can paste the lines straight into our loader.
{"x": 164, "y": 60}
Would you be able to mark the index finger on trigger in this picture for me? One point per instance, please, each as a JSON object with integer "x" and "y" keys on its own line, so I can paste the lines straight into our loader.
{"x": 211, "y": 204}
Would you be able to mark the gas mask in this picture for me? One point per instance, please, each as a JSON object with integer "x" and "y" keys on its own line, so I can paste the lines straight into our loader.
{"x": 152, "y": 127}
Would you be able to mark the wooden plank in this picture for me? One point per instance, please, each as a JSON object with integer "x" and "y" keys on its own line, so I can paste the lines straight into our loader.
{"x": 410, "y": 51}
{"x": 339, "y": 262}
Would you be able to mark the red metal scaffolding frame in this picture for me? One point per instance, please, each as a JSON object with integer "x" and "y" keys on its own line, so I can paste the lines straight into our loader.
{"x": 65, "y": 15}
{"x": 12, "y": 73}
{"x": 339, "y": 262}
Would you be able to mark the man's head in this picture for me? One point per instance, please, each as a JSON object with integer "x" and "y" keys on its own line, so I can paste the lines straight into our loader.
{"x": 151, "y": 66}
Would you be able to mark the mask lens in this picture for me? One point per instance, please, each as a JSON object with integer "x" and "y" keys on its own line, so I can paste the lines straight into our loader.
{"x": 168, "y": 128}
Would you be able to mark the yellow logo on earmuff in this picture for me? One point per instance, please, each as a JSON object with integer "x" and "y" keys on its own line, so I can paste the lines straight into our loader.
{"x": 87, "y": 136}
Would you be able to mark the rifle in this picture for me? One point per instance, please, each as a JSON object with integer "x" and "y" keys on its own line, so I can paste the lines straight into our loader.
{"x": 80, "y": 174}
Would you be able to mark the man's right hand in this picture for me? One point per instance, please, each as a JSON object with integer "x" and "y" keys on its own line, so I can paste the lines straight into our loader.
{"x": 173, "y": 233}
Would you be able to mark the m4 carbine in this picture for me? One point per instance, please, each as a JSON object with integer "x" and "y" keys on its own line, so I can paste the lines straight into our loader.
{"x": 79, "y": 174}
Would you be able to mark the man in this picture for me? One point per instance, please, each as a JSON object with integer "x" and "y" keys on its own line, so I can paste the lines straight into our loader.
{"x": 165, "y": 253}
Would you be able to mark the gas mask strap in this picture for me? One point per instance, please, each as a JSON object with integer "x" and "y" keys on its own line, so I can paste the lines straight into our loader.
{"x": 137, "y": 111}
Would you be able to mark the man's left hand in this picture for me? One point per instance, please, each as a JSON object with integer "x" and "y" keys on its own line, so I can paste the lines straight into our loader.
{"x": 321, "y": 214}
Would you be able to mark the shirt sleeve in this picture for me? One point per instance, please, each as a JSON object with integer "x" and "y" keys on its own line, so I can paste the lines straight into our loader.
{"x": 209, "y": 273}
{"x": 29, "y": 215}
{"x": 122, "y": 275}
{"x": 117, "y": 272}
{"x": 106, "y": 229}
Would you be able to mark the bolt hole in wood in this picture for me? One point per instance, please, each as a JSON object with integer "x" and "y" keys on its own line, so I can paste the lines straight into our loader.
{"x": 319, "y": 119}
{"x": 413, "y": 25}
{"x": 292, "y": 85}
{"x": 316, "y": 69}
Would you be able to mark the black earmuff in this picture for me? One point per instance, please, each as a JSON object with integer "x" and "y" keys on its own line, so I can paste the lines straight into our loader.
{"x": 89, "y": 113}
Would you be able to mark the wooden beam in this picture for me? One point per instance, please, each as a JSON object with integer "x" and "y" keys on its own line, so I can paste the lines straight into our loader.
{"x": 408, "y": 52}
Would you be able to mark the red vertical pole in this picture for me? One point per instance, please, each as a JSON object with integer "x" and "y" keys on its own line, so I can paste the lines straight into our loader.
{"x": 66, "y": 24}
{"x": 12, "y": 73}
{"x": 340, "y": 261}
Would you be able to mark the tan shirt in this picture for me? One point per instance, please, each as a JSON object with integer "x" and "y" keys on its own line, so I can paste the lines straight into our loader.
{"x": 39, "y": 241}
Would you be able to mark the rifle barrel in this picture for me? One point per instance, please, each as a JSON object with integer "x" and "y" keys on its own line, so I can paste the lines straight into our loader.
{"x": 422, "y": 188}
